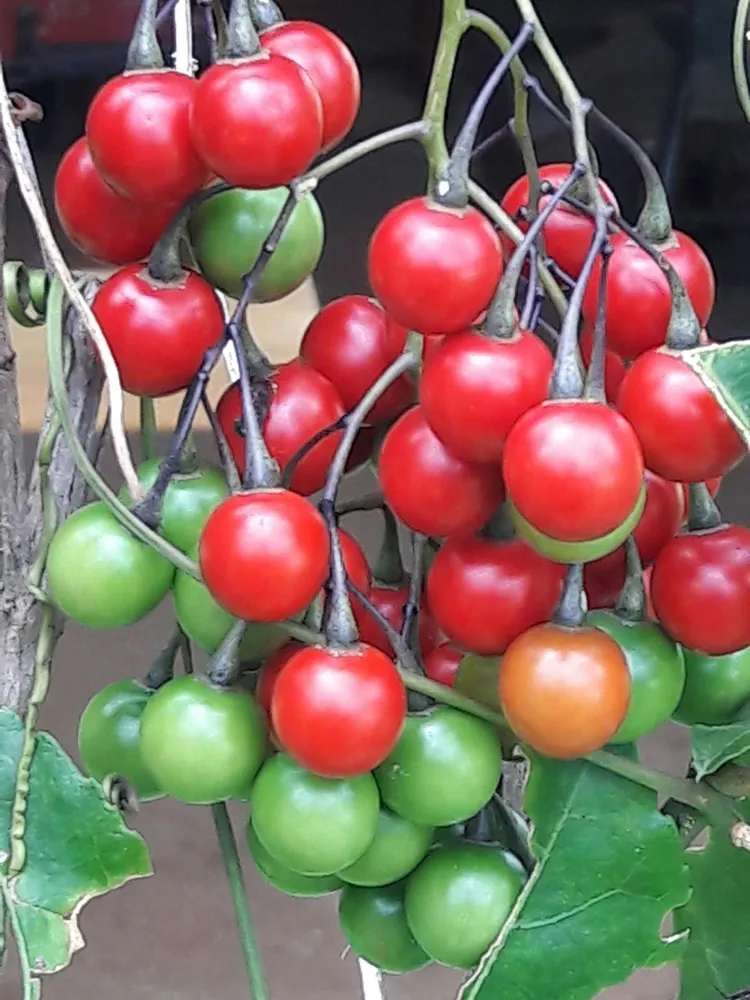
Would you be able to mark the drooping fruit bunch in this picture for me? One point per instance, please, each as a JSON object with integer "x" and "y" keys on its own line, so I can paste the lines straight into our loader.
{"x": 570, "y": 584}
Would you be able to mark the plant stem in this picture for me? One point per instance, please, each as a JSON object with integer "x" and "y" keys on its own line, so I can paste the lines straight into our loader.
{"x": 506, "y": 225}
{"x": 739, "y": 46}
{"x": 570, "y": 95}
{"x": 595, "y": 386}
{"x": 454, "y": 24}
{"x": 23, "y": 953}
{"x": 631, "y": 601}
{"x": 451, "y": 189}
{"x": 410, "y": 624}
{"x": 230, "y": 856}
{"x": 291, "y": 466}
{"x": 520, "y": 118}
{"x": 501, "y": 321}
{"x": 309, "y": 181}
{"x": 703, "y": 512}
{"x": 148, "y": 427}
{"x": 569, "y": 612}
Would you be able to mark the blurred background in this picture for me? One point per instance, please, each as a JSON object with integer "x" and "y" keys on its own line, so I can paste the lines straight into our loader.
{"x": 662, "y": 69}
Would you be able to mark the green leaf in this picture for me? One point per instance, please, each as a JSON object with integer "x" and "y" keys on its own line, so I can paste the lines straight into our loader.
{"x": 477, "y": 679}
{"x": 717, "y": 958}
{"x": 609, "y": 868}
{"x": 77, "y": 847}
{"x": 714, "y": 746}
{"x": 725, "y": 371}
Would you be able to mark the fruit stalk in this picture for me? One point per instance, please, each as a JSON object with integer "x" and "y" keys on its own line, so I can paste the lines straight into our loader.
{"x": 595, "y": 384}
{"x": 144, "y": 51}
{"x": 233, "y": 868}
{"x": 739, "y": 46}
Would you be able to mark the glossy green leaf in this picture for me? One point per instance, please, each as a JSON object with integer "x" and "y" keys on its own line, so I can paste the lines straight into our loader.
{"x": 609, "y": 868}
{"x": 714, "y": 746}
{"x": 725, "y": 371}
{"x": 717, "y": 959}
{"x": 477, "y": 679}
{"x": 77, "y": 847}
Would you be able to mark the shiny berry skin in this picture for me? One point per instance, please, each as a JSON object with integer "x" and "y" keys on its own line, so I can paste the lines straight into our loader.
{"x": 264, "y": 554}
{"x": 639, "y": 302}
{"x": 660, "y": 521}
{"x": 484, "y": 594}
{"x": 430, "y": 489}
{"x": 700, "y": 588}
{"x": 390, "y": 602}
{"x": 303, "y": 402}
{"x": 564, "y": 691}
{"x": 474, "y": 389}
{"x": 338, "y": 712}
{"x": 138, "y": 131}
{"x": 269, "y": 674}
{"x": 257, "y": 123}
{"x": 567, "y": 233}
{"x": 441, "y": 664}
{"x": 434, "y": 269}
{"x": 574, "y": 470}
{"x": 329, "y": 64}
{"x": 158, "y": 333}
{"x": 352, "y": 341}
{"x": 99, "y": 221}
{"x": 684, "y": 433}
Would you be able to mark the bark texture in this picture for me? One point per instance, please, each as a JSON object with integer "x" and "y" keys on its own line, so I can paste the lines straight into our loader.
{"x": 20, "y": 499}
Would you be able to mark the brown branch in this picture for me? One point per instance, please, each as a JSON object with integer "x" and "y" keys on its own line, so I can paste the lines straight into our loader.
{"x": 20, "y": 501}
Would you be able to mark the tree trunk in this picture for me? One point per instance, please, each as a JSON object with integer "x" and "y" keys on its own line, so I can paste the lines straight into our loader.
{"x": 20, "y": 499}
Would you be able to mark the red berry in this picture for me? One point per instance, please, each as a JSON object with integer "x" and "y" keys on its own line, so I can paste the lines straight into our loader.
{"x": 257, "y": 123}
{"x": 700, "y": 587}
{"x": 639, "y": 303}
{"x": 264, "y": 554}
{"x": 442, "y": 664}
{"x": 339, "y": 712}
{"x": 484, "y": 594}
{"x": 473, "y": 390}
{"x": 99, "y": 221}
{"x": 158, "y": 333}
{"x": 329, "y": 64}
{"x": 574, "y": 470}
{"x": 430, "y": 489}
{"x": 684, "y": 433}
{"x": 138, "y": 131}
{"x": 390, "y": 602}
{"x": 352, "y": 341}
{"x": 434, "y": 269}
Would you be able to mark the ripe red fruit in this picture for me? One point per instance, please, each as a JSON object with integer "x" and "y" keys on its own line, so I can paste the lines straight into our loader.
{"x": 390, "y": 602}
{"x": 484, "y": 594}
{"x": 99, "y": 221}
{"x": 614, "y": 366}
{"x": 264, "y": 554}
{"x": 339, "y": 712}
{"x": 660, "y": 521}
{"x": 700, "y": 587}
{"x": 329, "y": 64}
{"x": 138, "y": 131}
{"x": 430, "y": 489}
{"x": 639, "y": 303}
{"x": 158, "y": 333}
{"x": 473, "y": 389}
{"x": 257, "y": 123}
{"x": 352, "y": 341}
{"x": 303, "y": 403}
{"x": 442, "y": 663}
{"x": 574, "y": 470}
{"x": 684, "y": 433}
{"x": 434, "y": 269}
{"x": 567, "y": 233}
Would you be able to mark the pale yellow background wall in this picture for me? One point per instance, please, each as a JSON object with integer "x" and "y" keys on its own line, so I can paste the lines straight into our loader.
{"x": 278, "y": 327}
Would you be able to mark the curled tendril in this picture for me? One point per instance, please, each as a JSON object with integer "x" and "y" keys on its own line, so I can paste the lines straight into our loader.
{"x": 26, "y": 293}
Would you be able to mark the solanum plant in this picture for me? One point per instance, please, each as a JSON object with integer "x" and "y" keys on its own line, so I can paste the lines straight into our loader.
{"x": 571, "y": 584}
